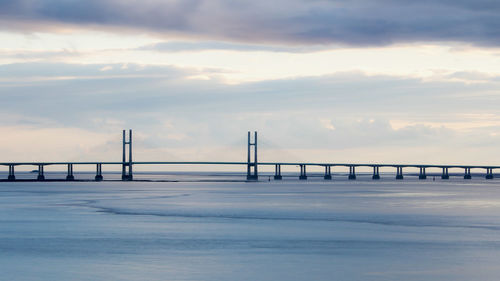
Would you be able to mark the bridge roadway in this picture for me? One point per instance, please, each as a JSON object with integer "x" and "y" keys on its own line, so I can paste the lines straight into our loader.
{"x": 277, "y": 176}
{"x": 246, "y": 163}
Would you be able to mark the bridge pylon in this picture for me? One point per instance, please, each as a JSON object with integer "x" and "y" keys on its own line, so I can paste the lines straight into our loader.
{"x": 127, "y": 163}
{"x": 252, "y": 165}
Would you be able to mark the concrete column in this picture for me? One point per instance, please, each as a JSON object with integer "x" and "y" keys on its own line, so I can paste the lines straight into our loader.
{"x": 422, "y": 175}
{"x": 399, "y": 173}
{"x": 445, "y": 175}
{"x": 328, "y": 173}
{"x": 467, "y": 175}
{"x": 127, "y": 164}
{"x": 70, "y": 176}
{"x": 376, "y": 174}
{"x": 256, "y": 166}
{"x": 489, "y": 173}
{"x": 124, "y": 166}
{"x": 98, "y": 176}
{"x": 277, "y": 172}
{"x": 303, "y": 174}
{"x": 130, "y": 173}
{"x": 352, "y": 172}
{"x": 11, "y": 176}
{"x": 41, "y": 176}
{"x": 252, "y": 170}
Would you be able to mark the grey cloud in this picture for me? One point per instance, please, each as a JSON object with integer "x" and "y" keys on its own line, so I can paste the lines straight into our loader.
{"x": 280, "y": 22}
{"x": 45, "y": 69}
{"x": 38, "y": 55}
{"x": 156, "y": 88}
{"x": 183, "y": 46}
{"x": 352, "y": 133}
{"x": 474, "y": 76}
{"x": 287, "y": 111}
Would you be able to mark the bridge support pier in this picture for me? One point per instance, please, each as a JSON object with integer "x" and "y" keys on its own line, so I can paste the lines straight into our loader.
{"x": 422, "y": 175}
{"x": 328, "y": 173}
{"x": 252, "y": 167}
{"x": 11, "y": 176}
{"x": 98, "y": 176}
{"x": 445, "y": 175}
{"x": 489, "y": 173}
{"x": 70, "y": 176}
{"x": 376, "y": 173}
{"x": 277, "y": 172}
{"x": 303, "y": 174}
{"x": 467, "y": 175}
{"x": 127, "y": 175}
{"x": 352, "y": 172}
{"x": 41, "y": 176}
{"x": 399, "y": 173}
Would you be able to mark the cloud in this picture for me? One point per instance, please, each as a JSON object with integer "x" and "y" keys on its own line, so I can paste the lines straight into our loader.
{"x": 280, "y": 22}
{"x": 51, "y": 71}
{"x": 26, "y": 55}
{"x": 144, "y": 88}
{"x": 183, "y": 46}
{"x": 472, "y": 77}
{"x": 106, "y": 68}
{"x": 31, "y": 143}
{"x": 342, "y": 111}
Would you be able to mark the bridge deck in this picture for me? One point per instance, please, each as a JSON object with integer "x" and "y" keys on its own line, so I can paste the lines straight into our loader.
{"x": 260, "y": 163}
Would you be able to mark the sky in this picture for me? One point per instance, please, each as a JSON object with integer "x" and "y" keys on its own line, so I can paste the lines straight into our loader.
{"x": 321, "y": 80}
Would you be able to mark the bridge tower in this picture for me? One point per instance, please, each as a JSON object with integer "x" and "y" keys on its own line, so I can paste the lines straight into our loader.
{"x": 127, "y": 175}
{"x": 252, "y": 166}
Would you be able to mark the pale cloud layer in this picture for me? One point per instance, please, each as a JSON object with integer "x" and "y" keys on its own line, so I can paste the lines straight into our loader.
{"x": 236, "y": 63}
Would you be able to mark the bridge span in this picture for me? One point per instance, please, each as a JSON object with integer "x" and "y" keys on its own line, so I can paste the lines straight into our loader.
{"x": 251, "y": 164}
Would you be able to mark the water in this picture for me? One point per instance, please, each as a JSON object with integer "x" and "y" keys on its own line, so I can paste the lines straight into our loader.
{"x": 290, "y": 230}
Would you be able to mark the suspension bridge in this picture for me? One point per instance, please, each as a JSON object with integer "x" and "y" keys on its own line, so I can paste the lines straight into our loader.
{"x": 252, "y": 166}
